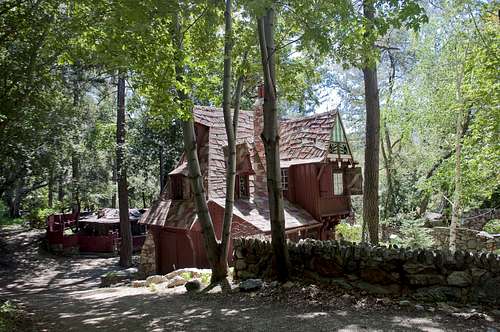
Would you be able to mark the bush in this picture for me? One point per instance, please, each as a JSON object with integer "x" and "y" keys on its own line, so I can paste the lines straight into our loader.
{"x": 412, "y": 235}
{"x": 38, "y": 217}
{"x": 348, "y": 232}
{"x": 492, "y": 226}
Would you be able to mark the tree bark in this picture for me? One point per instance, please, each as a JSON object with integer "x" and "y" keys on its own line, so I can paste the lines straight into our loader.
{"x": 121, "y": 170}
{"x": 163, "y": 177}
{"x": 219, "y": 270}
{"x": 230, "y": 124}
{"x": 113, "y": 179}
{"x": 456, "y": 207}
{"x": 75, "y": 181}
{"x": 270, "y": 139}
{"x": 371, "y": 171}
{"x": 50, "y": 195}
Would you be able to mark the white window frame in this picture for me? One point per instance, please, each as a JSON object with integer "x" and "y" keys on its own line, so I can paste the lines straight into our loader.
{"x": 284, "y": 179}
{"x": 338, "y": 183}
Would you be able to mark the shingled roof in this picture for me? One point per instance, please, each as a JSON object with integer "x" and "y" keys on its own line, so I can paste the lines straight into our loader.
{"x": 302, "y": 140}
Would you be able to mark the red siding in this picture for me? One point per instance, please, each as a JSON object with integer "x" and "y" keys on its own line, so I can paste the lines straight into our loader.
{"x": 306, "y": 187}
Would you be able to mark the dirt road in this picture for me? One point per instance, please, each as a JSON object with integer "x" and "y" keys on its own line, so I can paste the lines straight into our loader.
{"x": 63, "y": 295}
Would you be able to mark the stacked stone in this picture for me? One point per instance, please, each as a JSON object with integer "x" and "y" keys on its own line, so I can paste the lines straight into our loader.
{"x": 147, "y": 262}
{"x": 467, "y": 239}
{"x": 435, "y": 275}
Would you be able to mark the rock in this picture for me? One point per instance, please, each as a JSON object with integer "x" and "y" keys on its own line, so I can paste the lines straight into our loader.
{"x": 438, "y": 294}
{"x": 446, "y": 308}
{"x": 288, "y": 285}
{"x": 491, "y": 329}
{"x": 193, "y": 272}
{"x": 426, "y": 279}
{"x": 459, "y": 278}
{"x": 377, "y": 276}
{"x": 384, "y": 301}
{"x": 274, "y": 284}
{"x": 250, "y": 285}
{"x": 138, "y": 283}
{"x": 419, "y": 307}
{"x": 193, "y": 285}
{"x": 348, "y": 298}
{"x": 155, "y": 279}
{"x": 404, "y": 303}
{"x": 176, "y": 281}
{"x": 112, "y": 278}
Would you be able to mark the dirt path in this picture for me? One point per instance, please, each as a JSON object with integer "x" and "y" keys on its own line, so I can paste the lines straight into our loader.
{"x": 63, "y": 294}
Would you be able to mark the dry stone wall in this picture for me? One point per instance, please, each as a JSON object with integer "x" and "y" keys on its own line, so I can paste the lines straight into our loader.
{"x": 467, "y": 239}
{"x": 427, "y": 275}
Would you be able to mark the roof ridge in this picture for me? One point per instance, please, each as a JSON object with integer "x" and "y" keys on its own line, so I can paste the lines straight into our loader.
{"x": 308, "y": 117}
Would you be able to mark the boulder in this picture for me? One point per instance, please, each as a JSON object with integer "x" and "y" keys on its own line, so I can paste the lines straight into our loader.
{"x": 377, "y": 276}
{"x": 250, "y": 285}
{"x": 155, "y": 279}
{"x": 193, "y": 285}
{"x": 176, "y": 281}
{"x": 288, "y": 285}
{"x": 138, "y": 283}
{"x": 459, "y": 278}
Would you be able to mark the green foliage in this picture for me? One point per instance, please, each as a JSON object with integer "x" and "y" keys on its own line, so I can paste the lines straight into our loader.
{"x": 12, "y": 319}
{"x": 492, "y": 227}
{"x": 348, "y": 232}
{"x": 5, "y": 220}
{"x": 412, "y": 234}
{"x": 37, "y": 218}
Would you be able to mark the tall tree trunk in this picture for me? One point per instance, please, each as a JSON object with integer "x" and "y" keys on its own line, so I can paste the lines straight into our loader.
{"x": 190, "y": 147}
{"x": 75, "y": 182}
{"x": 60, "y": 190}
{"x": 121, "y": 170}
{"x": 230, "y": 124}
{"x": 371, "y": 171}
{"x": 50, "y": 195}
{"x": 113, "y": 179}
{"x": 456, "y": 208}
{"x": 161, "y": 155}
{"x": 271, "y": 144}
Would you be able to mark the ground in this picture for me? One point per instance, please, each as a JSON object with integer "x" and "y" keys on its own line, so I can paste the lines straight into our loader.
{"x": 63, "y": 294}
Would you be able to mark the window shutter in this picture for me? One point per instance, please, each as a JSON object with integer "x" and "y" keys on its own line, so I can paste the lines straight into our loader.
{"x": 354, "y": 180}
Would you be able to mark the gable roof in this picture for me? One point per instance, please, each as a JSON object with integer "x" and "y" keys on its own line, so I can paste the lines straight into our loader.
{"x": 302, "y": 140}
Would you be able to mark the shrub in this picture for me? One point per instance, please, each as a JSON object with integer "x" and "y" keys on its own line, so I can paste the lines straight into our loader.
{"x": 348, "y": 232}
{"x": 412, "y": 235}
{"x": 38, "y": 217}
{"x": 492, "y": 226}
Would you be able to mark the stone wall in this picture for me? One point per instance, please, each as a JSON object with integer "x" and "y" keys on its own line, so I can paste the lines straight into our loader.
{"x": 147, "y": 263}
{"x": 467, "y": 239}
{"x": 427, "y": 275}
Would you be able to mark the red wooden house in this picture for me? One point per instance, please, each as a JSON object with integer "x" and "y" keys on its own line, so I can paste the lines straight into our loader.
{"x": 318, "y": 178}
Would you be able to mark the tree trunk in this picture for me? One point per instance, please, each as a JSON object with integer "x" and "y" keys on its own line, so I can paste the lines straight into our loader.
{"x": 162, "y": 167}
{"x": 219, "y": 269}
{"x": 60, "y": 190}
{"x": 271, "y": 144}
{"x": 121, "y": 170}
{"x": 456, "y": 208}
{"x": 371, "y": 171}
{"x": 75, "y": 181}
{"x": 231, "y": 124}
{"x": 113, "y": 179}
{"x": 50, "y": 195}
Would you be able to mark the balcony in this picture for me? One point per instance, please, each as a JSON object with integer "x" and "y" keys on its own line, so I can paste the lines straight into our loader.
{"x": 332, "y": 205}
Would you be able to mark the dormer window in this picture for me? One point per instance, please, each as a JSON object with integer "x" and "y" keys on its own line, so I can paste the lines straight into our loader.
{"x": 284, "y": 178}
{"x": 176, "y": 187}
{"x": 338, "y": 183}
{"x": 242, "y": 188}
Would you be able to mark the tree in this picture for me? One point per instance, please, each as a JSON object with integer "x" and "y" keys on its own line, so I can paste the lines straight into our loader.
{"x": 121, "y": 171}
{"x": 372, "y": 144}
{"x": 271, "y": 144}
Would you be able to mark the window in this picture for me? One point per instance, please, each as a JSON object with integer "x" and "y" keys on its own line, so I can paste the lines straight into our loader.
{"x": 338, "y": 185}
{"x": 176, "y": 186}
{"x": 242, "y": 183}
{"x": 284, "y": 178}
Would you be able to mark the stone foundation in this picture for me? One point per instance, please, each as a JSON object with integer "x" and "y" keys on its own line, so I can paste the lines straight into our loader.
{"x": 427, "y": 275}
{"x": 467, "y": 239}
{"x": 147, "y": 262}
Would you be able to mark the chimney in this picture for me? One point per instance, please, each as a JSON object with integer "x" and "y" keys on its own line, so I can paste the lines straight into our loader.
{"x": 258, "y": 127}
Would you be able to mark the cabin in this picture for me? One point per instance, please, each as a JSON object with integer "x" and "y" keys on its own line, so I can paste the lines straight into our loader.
{"x": 92, "y": 232}
{"x": 318, "y": 173}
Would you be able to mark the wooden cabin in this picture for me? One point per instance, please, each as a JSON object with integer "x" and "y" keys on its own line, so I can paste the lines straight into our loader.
{"x": 318, "y": 172}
